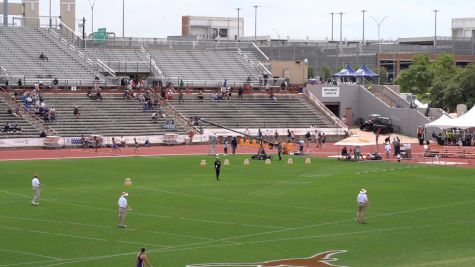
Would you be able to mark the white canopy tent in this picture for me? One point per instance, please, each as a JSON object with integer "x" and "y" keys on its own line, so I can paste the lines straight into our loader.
{"x": 465, "y": 121}
{"x": 444, "y": 122}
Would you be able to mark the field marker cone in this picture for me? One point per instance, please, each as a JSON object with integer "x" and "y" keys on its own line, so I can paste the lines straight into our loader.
{"x": 268, "y": 162}
{"x": 128, "y": 182}
{"x": 308, "y": 161}
{"x": 246, "y": 162}
{"x": 290, "y": 161}
{"x": 226, "y": 162}
{"x": 203, "y": 163}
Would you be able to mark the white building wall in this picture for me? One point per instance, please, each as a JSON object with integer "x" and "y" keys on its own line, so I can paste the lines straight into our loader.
{"x": 463, "y": 27}
{"x": 216, "y": 27}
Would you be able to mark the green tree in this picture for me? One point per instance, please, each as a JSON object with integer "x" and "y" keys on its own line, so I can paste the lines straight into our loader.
{"x": 443, "y": 84}
{"x": 464, "y": 86}
{"x": 310, "y": 71}
{"x": 418, "y": 77}
{"x": 325, "y": 73}
{"x": 383, "y": 75}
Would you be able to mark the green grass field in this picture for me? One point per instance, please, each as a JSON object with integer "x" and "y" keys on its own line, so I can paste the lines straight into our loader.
{"x": 419, "y": 216}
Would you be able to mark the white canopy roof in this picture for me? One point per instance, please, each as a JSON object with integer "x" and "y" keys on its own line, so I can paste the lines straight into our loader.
{"x": 444, "y": 122}
{"x": 465, "y": 121}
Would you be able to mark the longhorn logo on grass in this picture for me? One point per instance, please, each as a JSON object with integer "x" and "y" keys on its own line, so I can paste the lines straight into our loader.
{"x": 323, "y": 259}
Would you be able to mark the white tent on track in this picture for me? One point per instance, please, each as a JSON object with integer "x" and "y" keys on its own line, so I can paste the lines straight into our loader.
{"x": 444, "y": 122}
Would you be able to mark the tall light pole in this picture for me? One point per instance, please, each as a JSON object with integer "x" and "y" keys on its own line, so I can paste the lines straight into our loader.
{"x": 239, "y": 22}
{"x": 435, "y": 28}
{"x": 378, "y": 23}
{"x": 123, "y": 18}
{"x": 363, "y": 11}
{"x": 332, "y": 13}
{"x": 5, "y": 13}
{"x": 50, "y": 20}
{"x": 341, "y": 29}
{"x": 255, "y": 21}
{"x": 92, "y": 3}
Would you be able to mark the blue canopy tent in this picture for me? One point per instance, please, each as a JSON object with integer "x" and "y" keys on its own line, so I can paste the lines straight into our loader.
{"x": 365, "y": 72}
{"x": 347, "y": 71}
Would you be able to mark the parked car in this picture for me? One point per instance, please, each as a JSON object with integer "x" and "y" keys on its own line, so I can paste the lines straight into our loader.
{"x": 377, "y": 123}
{"x": 368, "y": 124}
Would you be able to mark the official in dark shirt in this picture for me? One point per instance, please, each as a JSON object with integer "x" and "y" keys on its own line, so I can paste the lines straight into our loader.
{"x": 217, "y": 167}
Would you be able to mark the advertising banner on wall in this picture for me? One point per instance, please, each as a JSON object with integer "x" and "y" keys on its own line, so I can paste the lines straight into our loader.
{"x": 330, "y": 91}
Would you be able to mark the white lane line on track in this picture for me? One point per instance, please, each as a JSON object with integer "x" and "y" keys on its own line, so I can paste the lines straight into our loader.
{"x": 194, "y": 245}
{"x": 66, "y": 235}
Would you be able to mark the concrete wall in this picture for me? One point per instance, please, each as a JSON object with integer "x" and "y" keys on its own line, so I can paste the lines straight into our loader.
{"x": 68, "y": 13}
{"x": 295, "y": 71}
{"x": 14, "y": 9}
{"x": 32, "y": 12}
{"x": 362, "y": 102}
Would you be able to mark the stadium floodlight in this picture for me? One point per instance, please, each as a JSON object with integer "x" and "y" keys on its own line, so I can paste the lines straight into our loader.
{"x": 92, "y": 3}
{"x": 363, "y": 11}
{"x": 378, "y": 23}
{"x": 332, "y": 13}
{"x": 255, "y": 21}
{"x": 238, "y": 22}
{"x": 435, "y": 27}
{"x": 123, "y": 18}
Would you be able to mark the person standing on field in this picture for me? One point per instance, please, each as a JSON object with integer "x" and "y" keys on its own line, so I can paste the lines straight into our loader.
{"x": 142, "y": 259}
{"x": 123, "y": 208}
{"x": 35, "y": 183}
{"x": 362, "y": 202}
{"x": 217, "y": 167}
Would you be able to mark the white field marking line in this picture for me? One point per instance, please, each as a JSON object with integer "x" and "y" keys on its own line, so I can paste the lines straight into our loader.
{"x": 461, "y": 187}
{"x": 242, "y": 201}
{"x": 54, "y": 221}
{"x": 66, "y": 235}
{"x": 34, "y": 263}
{"x": 10, "y": 228}
{"x": 142, "y": 244}
{"x": 153, "y": 215}
{"x": 186, "y": 236}
{"x": 29, "y": 253}
{"x": 178, "y": 248}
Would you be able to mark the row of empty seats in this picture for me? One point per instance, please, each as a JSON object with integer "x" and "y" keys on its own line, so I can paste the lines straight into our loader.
{"x": 20, "y": 50}
{"x": 121, "y": 59}
{"x": 254, "y": 111}
{"x": 203, "y": 65}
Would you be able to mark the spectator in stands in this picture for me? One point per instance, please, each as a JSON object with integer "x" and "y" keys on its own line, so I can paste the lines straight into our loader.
{"x": 6, "y": 128}
{"x": 122, "y": 142}
{"x": 172, "y": 125}
{"x": 180, "y": 95}
{"x": 182, "y": 84}
{"x": 19, "y": 83}
{"x": 52, "y": 114}
{"x": 115, "y": 146}
{"x": 155, "y": 117}
{"x": 240, "y": 92}
{"x": 84, "y": 142}
{"x": 89, "y": 94}
{"x": 76, "y": 112}
{"x": 191, "y": 133}
{"x": 266, "y": 77}
{"x": 98, "y": 95}
{"x": 43, "y": 57}
{"x": 214, "y": 96}
{"x": 200, "y": 95}
{"x": 55, "y": 82}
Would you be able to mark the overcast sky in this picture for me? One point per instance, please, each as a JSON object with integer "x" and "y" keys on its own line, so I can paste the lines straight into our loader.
{"x": 295, "y": 18}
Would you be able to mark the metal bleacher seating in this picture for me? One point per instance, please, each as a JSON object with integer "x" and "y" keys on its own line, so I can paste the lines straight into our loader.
{"x": 113, "y": 116}
{"x": 254, "y": 111}
{"x": 27, "y": 130}
{"x": 121, "y": 59}
{"x": 20, "y": 49}
{"x": 203, "y": 65}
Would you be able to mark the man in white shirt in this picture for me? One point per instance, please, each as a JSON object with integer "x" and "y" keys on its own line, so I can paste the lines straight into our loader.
{"x": 123, "y": 208}
{"x": 35, "y": 183}
{"x": 362, "y": 202}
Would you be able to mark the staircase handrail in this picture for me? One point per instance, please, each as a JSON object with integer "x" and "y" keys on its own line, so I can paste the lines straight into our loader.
{"x": 69, "y": 45}
{"x": 177, "y": 114}
{"x": 266, "y": 70}
{"x": 24, "y": 113}
{"x": 3, "y": 70}
{"x": 152, "y": 61}
{"x": 325, "y": 110}
{"x": 105, "y": 67}
{"x": 245, "y": 57}
{"x": 260, "y": 51}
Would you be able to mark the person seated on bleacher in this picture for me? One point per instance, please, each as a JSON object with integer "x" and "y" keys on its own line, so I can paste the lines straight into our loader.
{"x": 89, "y": 94}
{"x": 6, "y": 128}
{"x": 214, "y": 96}
{"x": 200, "y": 95}
{"x": 167, "y": 125}
{"x": 76, "y": 112}
{"x": 52, "y": 114}
{"x": 43, "y": 57}
{"x": 98, "y": 95}
{"x": 155, "y": 117}
{"x": 172, "y": 125}
{"x": 14, "y": 127}
{"x": 46, "y": 117}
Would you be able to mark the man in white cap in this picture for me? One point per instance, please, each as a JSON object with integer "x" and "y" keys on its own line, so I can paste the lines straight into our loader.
{"x": 35, "y": 183}
{"x": 362, "y": 202}
{"x": 123, "y": 208}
